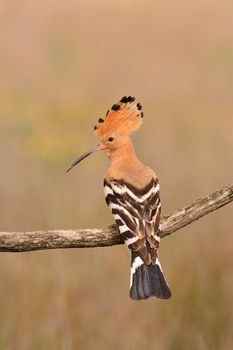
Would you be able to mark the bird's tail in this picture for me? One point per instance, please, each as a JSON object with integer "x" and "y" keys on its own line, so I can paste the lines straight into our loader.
{"x": 147, "y": 280}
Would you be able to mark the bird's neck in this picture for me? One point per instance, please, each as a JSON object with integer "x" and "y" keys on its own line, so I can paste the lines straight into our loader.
{"x": 124, "y": 165}
{"x": 123, "y": 154}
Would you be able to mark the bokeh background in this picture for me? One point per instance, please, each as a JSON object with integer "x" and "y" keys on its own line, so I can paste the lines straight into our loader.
{"x": 62, "y": 65}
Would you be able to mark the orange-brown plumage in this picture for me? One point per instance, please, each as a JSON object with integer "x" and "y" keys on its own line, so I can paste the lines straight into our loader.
{"x": 122, "y": 119}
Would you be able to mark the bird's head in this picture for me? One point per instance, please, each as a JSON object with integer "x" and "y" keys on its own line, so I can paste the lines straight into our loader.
{"x": 113, "y": 132}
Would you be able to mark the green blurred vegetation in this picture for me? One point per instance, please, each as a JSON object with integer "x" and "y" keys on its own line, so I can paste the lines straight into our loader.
{"x": 62, "y": 65}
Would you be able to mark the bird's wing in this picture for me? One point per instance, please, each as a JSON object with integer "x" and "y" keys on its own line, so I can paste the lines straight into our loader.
{"x": 137, "y": 215}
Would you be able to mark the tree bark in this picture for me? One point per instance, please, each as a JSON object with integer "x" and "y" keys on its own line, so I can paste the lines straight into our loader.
{"x": 86, "y": 238}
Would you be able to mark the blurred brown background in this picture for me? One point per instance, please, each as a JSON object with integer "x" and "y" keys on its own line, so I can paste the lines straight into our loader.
{"x": 62, "y": 65}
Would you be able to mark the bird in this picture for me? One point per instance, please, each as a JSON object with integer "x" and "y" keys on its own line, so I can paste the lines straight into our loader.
{"x": 132, "y": 192}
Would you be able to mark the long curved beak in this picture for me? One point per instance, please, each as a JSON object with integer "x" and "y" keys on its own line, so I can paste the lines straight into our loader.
{"x": 85, "y": 155}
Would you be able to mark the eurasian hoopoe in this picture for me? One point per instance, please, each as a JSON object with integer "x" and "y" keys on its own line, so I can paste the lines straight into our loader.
{"x": 132, "y": 193}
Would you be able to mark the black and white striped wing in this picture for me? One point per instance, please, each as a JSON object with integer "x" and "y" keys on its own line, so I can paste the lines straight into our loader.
{"x": 137, "y": 215}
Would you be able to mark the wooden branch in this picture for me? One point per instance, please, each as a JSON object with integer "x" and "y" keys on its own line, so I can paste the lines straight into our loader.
{"x": 84, "y": 238}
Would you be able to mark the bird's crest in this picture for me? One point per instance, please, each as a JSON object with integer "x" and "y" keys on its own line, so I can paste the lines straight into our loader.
{"x": 123, "y": 118}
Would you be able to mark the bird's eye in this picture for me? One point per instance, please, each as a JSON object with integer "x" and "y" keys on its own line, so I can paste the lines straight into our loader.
{"x": 110, "y": 139}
